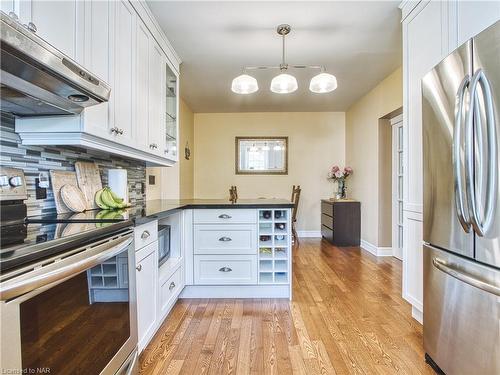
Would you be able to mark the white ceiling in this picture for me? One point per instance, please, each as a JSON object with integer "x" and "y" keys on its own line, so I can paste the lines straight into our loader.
{"x": 358, "y": 42}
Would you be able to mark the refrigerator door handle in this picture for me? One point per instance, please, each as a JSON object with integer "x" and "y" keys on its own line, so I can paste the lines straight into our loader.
{"x": 463, "y": 217}
{"x": 481, "y": 226}
{"x": 465, "y": 277}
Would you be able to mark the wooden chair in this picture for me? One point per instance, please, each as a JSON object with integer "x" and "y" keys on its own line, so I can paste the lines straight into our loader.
{"x": 295, "y": 200}
{"x": 233, "y": 193}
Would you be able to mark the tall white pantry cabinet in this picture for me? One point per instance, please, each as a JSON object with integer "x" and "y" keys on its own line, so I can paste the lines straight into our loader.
{"x": 431, "y": 31}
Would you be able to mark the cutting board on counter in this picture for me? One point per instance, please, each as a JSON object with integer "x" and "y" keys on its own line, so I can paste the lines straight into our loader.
{"x": 89, "y": 181}
{"x": 59, "y": 179}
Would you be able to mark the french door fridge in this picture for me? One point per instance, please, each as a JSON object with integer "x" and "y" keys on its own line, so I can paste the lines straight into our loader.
{"x": 461, "y": 140}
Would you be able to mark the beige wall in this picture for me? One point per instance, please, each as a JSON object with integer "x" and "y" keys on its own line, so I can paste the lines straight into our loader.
{"x": 362, "y": 148}
{"x": 177, "y": 181}
{"x": 316, "y": 141}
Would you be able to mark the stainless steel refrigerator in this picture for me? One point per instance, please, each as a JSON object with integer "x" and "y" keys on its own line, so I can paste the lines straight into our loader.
{"x": 461, "y": 138}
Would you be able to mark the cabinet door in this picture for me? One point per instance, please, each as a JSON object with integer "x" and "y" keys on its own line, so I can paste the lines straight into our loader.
{"x": 124, "y": 74}
{"x": 56, "y": 23}
{"x": 156, "y": 99}
{"x": 147, "y": 291}
{"x": 142, "y": 86}
{"x": 425, "y": 46}
{"x": 97, "y": 57}
{"x": 7, "y": 6}
{"x": 171, "y": 113}
{"x": 475, "y": 16}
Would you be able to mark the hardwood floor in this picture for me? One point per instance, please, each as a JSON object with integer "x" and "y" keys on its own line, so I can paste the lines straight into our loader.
{"x": 347, "y": 316}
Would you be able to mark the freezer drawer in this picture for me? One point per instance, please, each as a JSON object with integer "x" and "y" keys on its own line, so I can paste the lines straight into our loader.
{"x": 461, "y": 321}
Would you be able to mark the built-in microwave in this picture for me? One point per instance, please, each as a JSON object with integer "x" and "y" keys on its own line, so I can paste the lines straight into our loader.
{"x": 163, "y": 244}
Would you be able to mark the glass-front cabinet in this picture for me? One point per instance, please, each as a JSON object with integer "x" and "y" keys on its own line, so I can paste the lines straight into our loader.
{"x": 171, "y": 113}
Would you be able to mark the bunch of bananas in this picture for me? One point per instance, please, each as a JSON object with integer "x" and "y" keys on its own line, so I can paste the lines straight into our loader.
{"x": 106, "y": 199}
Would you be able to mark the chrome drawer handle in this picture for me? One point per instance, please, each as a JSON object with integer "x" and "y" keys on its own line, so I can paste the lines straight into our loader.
{"x": 139, "y": 267}
{"x": 172, "y": 286}
{"x": 224, "y": 216}
{"x": 225, "y": 239}
{"x": 225, "y": 269}
{"x": 145, "y": 234}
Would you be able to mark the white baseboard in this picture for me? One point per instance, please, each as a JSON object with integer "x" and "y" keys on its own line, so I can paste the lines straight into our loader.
{"x": 417, "y": 315}
{"x": 309, "y": 233}
{"x": 236, "y": 291}
{"x": 375, "y": 250}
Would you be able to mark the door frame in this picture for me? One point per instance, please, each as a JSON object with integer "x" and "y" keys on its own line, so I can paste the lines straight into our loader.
{"x": 397, "y": 196}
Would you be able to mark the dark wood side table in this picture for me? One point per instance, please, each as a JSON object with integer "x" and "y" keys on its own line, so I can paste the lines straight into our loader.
{"x": 341, "y": 222}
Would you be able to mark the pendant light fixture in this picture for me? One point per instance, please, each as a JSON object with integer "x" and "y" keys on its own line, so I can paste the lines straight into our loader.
{"x": 284, "y": 83}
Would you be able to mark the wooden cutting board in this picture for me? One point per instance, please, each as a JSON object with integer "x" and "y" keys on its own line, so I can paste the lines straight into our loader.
{"x": 89, "y": 181}
{"x": 59, "y": 179}
{"x": 73, "y": 198}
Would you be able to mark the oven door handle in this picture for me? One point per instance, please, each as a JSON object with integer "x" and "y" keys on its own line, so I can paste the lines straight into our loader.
{"x": 63, "y": 269}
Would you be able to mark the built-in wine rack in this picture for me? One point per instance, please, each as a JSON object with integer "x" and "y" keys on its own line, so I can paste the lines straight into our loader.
{"x": 274, "y": 246}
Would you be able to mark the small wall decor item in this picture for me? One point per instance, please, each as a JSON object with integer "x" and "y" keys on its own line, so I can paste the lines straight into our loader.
{"x": 261, "y": 155}
{"x": 187, "y": 151}
{"x": 339, "y": 176}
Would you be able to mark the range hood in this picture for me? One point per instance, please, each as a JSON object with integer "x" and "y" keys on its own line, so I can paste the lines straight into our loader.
{"x": 37, "y": 79}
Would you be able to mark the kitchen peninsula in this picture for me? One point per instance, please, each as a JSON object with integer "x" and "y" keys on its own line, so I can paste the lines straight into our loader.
{"x": 217, "y": 249}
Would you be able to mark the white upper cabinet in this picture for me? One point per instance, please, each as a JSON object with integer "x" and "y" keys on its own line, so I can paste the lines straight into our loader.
{"x": 121, "y": 43}
{"x": 156, "y": 99}
{"x": 473, "y": 17}
{"x": 123, "y": 83}
{"x": 97, "y": 57}
{"x": 143, "y": 46}
{"x": 424, "y": 46}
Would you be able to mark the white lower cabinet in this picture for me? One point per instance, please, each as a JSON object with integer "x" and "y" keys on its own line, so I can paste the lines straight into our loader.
{"x": 169, "y": 291}
{"x": 225, "y": 239}
{"x": 225, "y": 269}
{"x": 147, "y": 291}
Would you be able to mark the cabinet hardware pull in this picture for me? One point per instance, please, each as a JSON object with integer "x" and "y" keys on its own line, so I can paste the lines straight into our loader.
{"x": 139, "y": 267}
{"x": 32, "y": 27}
{"x": 172, "y": 286}
{"x": 224, "y": 216}
{"x": 225, "y": 239}
{"x": 120, "y": 131}
{"x": 145, "y": 234}
{"x": 225, "y": 269}
{"x": 115, "y": 130}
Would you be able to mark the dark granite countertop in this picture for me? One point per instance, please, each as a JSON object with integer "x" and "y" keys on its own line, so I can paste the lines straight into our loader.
{"x": 46, "y": 231}
{"x": 158, "y": 208}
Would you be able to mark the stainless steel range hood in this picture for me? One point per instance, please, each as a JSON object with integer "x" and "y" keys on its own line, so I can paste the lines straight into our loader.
{"x": 39, "y": 80}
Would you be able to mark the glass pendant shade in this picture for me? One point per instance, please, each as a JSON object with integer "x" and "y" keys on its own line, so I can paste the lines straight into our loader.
{"x": 323, "y": 83}
{"x": 244, "y": 84}
{"x": 284, "y": 84}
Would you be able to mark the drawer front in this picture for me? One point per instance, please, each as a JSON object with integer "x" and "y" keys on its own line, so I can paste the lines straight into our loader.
{"x": 225, "y": 239}
{"x": 326, "y": 208}
{"x": 146, "y": 251}
{"x": 327, "y": 233}
{"x": 225, "y": 269}
{"x": 327, "y": 221}
{"x": 169, "y": 290}
{"x": 145, "y": 234}
{"x": 227, "y": 216}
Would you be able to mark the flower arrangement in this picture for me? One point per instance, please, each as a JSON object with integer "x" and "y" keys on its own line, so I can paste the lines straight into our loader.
{"x": 339, "y": 175}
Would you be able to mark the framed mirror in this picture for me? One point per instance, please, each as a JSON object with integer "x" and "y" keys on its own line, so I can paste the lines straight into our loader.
{"x": 261, "y": 155}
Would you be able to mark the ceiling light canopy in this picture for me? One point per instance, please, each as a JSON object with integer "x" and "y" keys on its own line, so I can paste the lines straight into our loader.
{"x": 284, "y": 83}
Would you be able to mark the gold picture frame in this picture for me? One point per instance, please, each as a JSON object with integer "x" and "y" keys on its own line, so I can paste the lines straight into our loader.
{"x": 279, "y": 155}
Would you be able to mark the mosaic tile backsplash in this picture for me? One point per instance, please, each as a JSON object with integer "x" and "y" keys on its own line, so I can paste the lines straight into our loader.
{"x": 36, "y": 159}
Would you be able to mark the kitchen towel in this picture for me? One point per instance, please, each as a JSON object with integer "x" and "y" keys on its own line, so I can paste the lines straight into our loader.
{"x": 117, "y": 181}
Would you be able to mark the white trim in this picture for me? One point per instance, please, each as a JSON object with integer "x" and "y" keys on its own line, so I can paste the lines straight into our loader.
{"x": 236, "y": 291}
{"x": 93, "y": 142}
{"x": 309, "y": 233}
{"x": 417, "y": 314}
{"x": 375, "y": 250}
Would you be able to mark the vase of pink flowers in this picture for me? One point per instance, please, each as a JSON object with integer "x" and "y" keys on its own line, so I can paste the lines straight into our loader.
{"x": 339, "y": 176}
